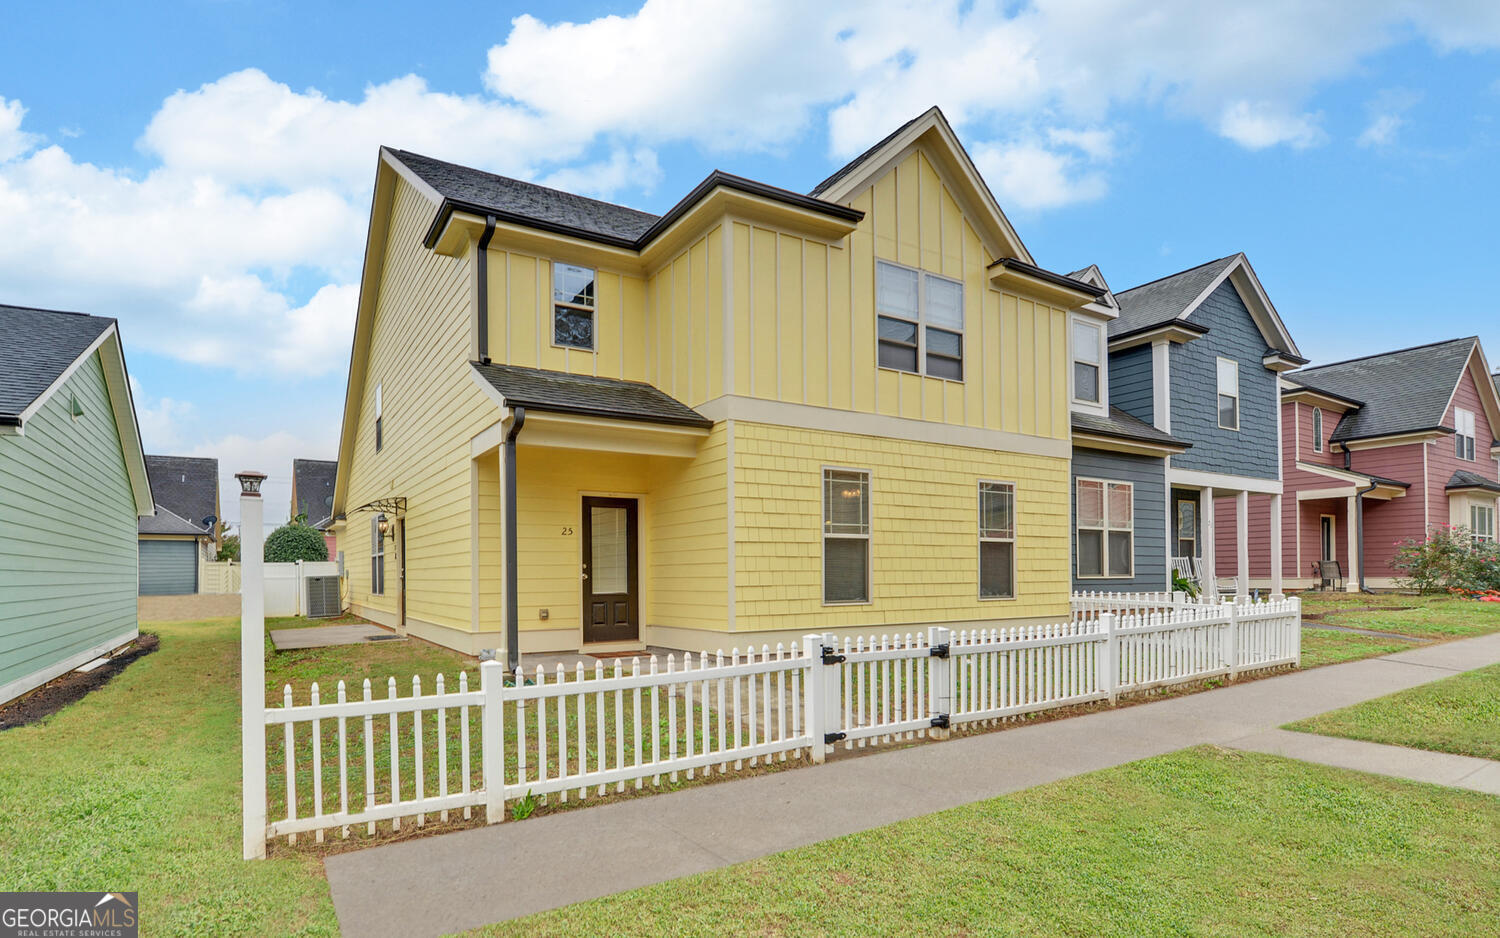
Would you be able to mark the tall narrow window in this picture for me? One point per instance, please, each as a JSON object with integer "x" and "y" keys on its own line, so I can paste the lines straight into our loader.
{"x": 1317, "y": 429}
{"x": 1229, "y": 394}
{"x": 378, "y": 438}
{"x": 919, "y": 322}
{"x": 1086, "y": 362}
{"x": 1105, "y": 529}
{"x": 377, "y": 558}
{"x": 1482, "y": 523}
{"x": 997, "y": 540}
{"x": 1463, "y": 440}
{"x": 846, "y": 536}
{"x": 1187, "y": 528}
{"x": 573, "y": 306}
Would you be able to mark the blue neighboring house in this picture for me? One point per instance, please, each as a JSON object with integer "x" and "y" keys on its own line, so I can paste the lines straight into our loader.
{"x": 1198, "y": 355}
{"x": 1119, "y": 473}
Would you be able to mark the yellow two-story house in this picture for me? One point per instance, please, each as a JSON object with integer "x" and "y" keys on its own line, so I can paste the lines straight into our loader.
{"x": 759, "y": 415}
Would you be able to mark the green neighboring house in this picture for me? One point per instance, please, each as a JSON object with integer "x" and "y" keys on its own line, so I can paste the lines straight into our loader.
{"x": 73, "y": 485}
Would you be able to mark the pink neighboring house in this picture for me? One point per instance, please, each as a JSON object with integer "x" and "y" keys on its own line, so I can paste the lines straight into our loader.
{"x": 1376, "y": 450}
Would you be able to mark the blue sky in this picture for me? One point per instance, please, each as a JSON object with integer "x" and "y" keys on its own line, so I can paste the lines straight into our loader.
{"x": 202, "y": 171}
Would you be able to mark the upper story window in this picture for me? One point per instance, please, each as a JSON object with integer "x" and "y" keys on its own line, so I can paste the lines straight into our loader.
{"x": 1086, "y": 360}
{"x": 846, "y": 536}
{"x": 1317, "y": 429}
{"x": 1482, "y": 523}
{"x": 573, "y": 306}
{"x": 378, "y": 439}
{"x": 1229, "y": 394}
{"x": 1463, "y": 441}
{"x": 920, "y": 321}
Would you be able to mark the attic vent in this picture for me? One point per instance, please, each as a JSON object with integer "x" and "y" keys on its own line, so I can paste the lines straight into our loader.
{"x": 75, "y": 408}
{"x": 184, "y": 477}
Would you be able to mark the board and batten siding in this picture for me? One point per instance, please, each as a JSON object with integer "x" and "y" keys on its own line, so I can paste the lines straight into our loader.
{"x": 67, "y": 536}
{"x": 1148, "y": 475}
{"x": 1252, "y": 449}
{"x": 419, "y": 353}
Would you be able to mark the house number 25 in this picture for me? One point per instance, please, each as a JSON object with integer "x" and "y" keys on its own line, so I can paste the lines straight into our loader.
{"x": 567, "y": 531}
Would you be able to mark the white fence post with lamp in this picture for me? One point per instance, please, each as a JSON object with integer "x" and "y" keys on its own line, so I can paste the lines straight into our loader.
{"x": 252, "y": 664}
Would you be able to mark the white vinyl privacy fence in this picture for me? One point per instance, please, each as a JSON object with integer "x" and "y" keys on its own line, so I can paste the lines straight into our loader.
{"x": 557, "y": 734}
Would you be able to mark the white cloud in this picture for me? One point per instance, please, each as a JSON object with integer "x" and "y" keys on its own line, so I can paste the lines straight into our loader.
{"x": 1381, "y": 131}
{"x": 271, "y": 454}
{"x": 1257, "y": 126}
{"x": 1028, "y": 175}
{"x": 13, "y": 140}
{"x": 625, "y": 169}
{"x": 1386, "y": 116}
{"x": 161, "y": 419}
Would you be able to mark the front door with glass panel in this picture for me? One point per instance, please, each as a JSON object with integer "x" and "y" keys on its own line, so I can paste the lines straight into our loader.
{"x": 611, "y": 597}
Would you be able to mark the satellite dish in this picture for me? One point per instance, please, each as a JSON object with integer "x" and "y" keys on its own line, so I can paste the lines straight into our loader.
{"x": 208, "y": 522}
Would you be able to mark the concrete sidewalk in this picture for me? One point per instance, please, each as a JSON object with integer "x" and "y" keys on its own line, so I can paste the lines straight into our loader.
{"x": 452, "y": 882}
{"x": 1439, "y": 768}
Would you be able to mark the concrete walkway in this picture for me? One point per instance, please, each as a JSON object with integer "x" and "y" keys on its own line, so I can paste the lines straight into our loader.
{"x": 1439, "y": 768}
{"x": 448, "y": 883}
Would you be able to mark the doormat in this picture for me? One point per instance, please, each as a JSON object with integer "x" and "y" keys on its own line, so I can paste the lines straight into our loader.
{"x": 608, "y": 655}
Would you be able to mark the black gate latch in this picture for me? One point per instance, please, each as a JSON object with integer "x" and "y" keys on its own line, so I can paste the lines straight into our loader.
{"x": 940, "y": 721}
{"x": 829, "y": 657}
{"x": 833, "y": 737}
{"x": 938, "y": 651}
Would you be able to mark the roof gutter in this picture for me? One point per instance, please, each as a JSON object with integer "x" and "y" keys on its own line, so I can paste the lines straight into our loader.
{"x": 512, "y": 604}
{"x": 482, "y": 272}
{"x": 1047, "y": 276}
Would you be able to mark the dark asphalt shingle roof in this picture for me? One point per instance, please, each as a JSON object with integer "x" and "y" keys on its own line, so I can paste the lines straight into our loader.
{"x": 1121, "y": 425}
{"x": 1464, "y": 479}
{"x": 850, "y": 166}
{"x": 187, "y": 486}
{"x": 1403, "y": 391}
{"x": 490, "y": 191}
{"x": 1161, "y": 301}
{"x": 560, "y": 392}
{"x": 165, "y": 522}
{"x": 312, "y": 480}
{"x": 36, "y": 347}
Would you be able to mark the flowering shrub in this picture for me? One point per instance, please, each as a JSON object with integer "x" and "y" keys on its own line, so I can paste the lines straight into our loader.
{"x": 1449, "y": 558}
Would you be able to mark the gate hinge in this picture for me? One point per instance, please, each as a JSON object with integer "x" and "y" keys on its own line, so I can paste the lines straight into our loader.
{"x": 829, "y": 657}
{"x": 938, "y": 651}
{"x": 833, "y": 737}
{"x": 940, "y": 721}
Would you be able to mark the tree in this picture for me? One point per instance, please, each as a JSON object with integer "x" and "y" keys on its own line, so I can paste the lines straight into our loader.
{"x": 231, "y": 548}
{"x": 294, "y": 541}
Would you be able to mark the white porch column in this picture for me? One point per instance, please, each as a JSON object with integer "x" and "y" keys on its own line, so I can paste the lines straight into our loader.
{"x": 252, "y": 666}
{"x": 1351, "y": 524}
{"x": 1209, "y": 544}
{"x": 1242, "y": 544}
{"x": 1276, "y": 592}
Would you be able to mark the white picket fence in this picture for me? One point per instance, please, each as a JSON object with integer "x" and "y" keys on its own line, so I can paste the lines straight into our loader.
{"x": 590, "y": 733}
{"x": 1126, "y": 604}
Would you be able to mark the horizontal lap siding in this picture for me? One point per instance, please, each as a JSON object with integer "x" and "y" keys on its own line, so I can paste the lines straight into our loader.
{"x": 1252, "y": 449}
{"x": 1387, "y": 523}
{"x": 67, "y": 531}
{"x": 1442, "y": 460}
{"x": 419, "y": 349}
{"x": 1148, "y": 475}
{"x": 924, "y": 517}
{"x": 1226, "y": 530}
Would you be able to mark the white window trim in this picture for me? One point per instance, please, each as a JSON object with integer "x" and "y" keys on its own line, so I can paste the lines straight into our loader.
{"x": 1177, "y": 526}
{"x": 1474, "y": 509}
{"x": 1220, "y": 392}
{"x": 377, "y": 551}
{"x": 1333, "y": 538}
{"x": 867, "y": 537}
{"x": 379, "y": 426}
{"x": 1107, "y": 529}
{"x": 1015, "y": 517}
{"x": 922, "y": 325}
{"x": 553, "y": 303}
{"x": 1100, "y": 365}
{"x": 1317, "y": 427}
{"x": 1462, "y": 440}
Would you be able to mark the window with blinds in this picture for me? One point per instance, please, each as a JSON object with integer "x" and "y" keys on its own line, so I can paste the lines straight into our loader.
{"x": 997, "y": 540}
{"x": 846, "y": 536}
{"x": 1105, "y": 530}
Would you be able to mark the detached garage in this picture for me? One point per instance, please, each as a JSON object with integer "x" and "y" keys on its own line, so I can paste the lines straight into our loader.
{"x": 168, "y": 567}
{"x": 184, "y": 526}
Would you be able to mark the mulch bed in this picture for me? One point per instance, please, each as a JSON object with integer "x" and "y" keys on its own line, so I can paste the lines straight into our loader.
{"x": 61, "y": 691}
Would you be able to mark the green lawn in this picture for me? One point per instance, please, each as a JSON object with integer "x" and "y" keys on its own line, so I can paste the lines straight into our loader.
{"x": 1434, "y": 618}
{"x": 137, "y": 788}
{"x": 1458, "y": 714}
{"x": 1200, "y": 842}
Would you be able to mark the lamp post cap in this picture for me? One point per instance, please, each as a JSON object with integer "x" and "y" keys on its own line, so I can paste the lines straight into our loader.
{"x": 250, "y": 481}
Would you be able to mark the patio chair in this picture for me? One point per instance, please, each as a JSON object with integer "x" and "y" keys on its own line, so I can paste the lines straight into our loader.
{"x": 1330, "y": 575}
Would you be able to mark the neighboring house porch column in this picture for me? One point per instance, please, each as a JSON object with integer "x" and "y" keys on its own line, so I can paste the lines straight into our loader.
{"x": 1351, "y": 525}
{"x": 1209, "y": 546}
{"x": 1276, "y": 592}
{"x": 1242, "y": 544}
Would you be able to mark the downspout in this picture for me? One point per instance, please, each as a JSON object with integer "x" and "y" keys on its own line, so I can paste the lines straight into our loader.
{"x": 482, "y": 269}
{"x": 512, "y": 604}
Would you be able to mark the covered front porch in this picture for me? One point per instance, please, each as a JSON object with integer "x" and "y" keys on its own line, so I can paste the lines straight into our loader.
{"x": 600, "y": 514}
{"x": 1224, "y": 530}
{"x": 1347, "y": 532}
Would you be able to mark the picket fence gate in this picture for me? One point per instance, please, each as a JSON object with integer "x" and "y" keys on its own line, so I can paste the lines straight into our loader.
{"x": 588, "y": 733}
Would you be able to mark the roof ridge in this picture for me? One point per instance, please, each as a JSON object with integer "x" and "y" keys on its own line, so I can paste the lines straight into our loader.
{"x": 1399, "y": 351}
{"x": 474, "y": 169}
{"x": 1179, "y": 273}
{"x": 848, "y": 167}
{"x": 59, "y": 312}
